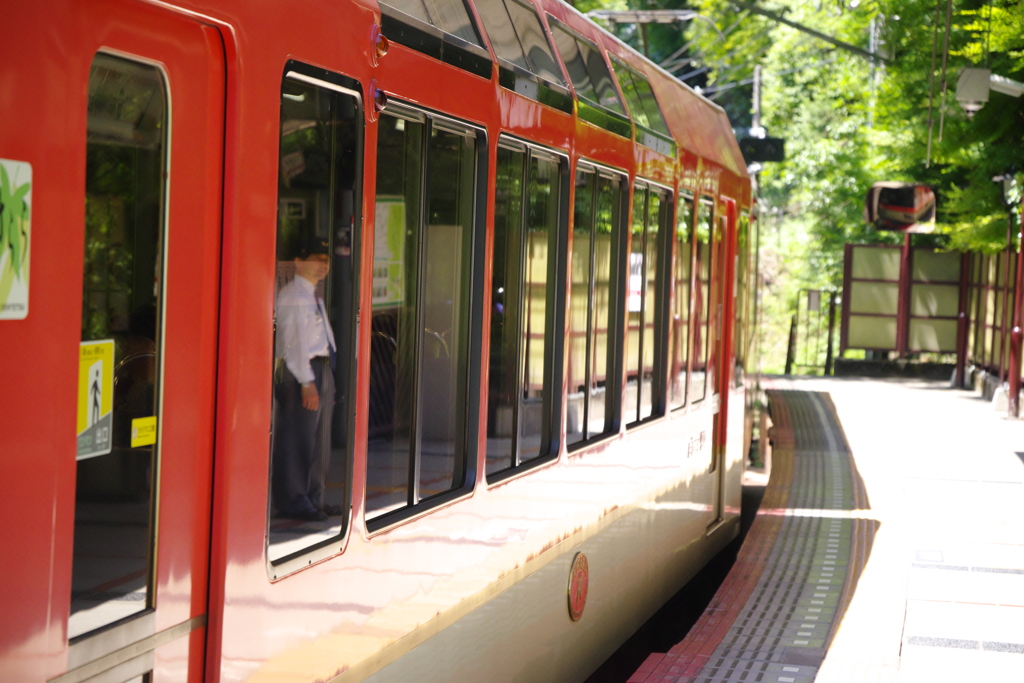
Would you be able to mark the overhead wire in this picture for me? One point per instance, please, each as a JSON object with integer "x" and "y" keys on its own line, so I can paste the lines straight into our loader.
{"x": 667, "y": 62}
{"x": 715, "y": 89}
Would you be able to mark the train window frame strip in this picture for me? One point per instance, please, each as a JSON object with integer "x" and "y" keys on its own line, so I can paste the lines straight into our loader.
{"x": 614, "y": 332}
{"x": 470, "y": 333}
{"x": 651, "y": 305}
{"x": 702, "y": 327}
{"x": 742, "y": 293}
{"x": 342, "y": 303}
{"x": 551, "y": 410}
{"x": 682, "y": 281}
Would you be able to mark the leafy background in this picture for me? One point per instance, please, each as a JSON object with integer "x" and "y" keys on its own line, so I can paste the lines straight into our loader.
{"x": 849, "y": 122}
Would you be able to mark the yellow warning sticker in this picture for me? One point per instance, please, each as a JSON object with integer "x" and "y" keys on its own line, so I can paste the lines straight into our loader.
{"x": 143, "y": 431}
{"x": 95, "y": 397}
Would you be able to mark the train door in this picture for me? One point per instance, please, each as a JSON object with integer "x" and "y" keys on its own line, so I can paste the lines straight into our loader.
{"x": 153, "y": 184}
{"x": 719, "y": 346}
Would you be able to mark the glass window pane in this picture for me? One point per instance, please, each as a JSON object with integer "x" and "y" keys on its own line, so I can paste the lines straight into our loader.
{"x": 655, "y": 120}
{"x": 538, "y": 327}
{"x": 607, "y": 218}
{"x": 740, "y": 287}
{"x": 705, "y": 227}
{"x": 414, "y": 8}
{"x": 501, "y": 33}
{"x": 451, "y": 163}
{"x": 394, "y": 322}
{"x": 534, "y": 41}
{"x": 679, "y": 330}
{"x": 651, "y": 369}
{"x": 574, "y": 61}
{"x": 586, "y": 66}
{"x": 636, "y": 107}
{"x": 581, "y": 269}
{"x": 121, "y": 315}
{"x": 317, "y": 184}
{"x": 502, "y": 390}
{"x": 600, "y": 77}
{"x": 420, "y": 329}
{"x": 451, "y": 16}
{"x": 634, "y": 305}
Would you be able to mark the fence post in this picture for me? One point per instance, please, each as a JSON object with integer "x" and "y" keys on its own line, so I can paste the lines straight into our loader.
{"x": 791, "y": 349}
{"x": 903, "y": 302}
{"x": 963, "y": 321}
{"x": 831, "y": 332}
{"x": 1016, "y": 334}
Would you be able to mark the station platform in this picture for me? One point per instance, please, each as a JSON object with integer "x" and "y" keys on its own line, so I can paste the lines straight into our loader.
{"x": 889, "y": 545}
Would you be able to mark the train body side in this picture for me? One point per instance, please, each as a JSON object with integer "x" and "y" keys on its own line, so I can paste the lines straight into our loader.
{"x": 472, "y": 588}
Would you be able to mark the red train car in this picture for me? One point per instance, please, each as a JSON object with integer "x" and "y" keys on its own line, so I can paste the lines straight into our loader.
{"x": 356, "y": 341}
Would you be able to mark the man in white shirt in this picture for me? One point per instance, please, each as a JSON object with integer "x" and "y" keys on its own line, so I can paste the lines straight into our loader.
{"x": 303, "y": 390}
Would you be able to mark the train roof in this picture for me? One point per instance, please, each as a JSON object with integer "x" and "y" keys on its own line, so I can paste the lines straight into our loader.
{"x": 687, "y": 113}
{"x": 699, "y": 128}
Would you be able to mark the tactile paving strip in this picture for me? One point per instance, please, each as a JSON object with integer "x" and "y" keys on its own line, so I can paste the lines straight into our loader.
{"x": 773, "y": 617}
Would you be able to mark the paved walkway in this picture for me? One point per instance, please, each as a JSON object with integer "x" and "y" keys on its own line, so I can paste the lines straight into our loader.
{"x": 889, "y": 545}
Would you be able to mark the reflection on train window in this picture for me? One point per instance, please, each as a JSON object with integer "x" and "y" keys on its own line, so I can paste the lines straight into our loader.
{"x": 702, "y": 300}
{"x": 644, "y": 354}
{"x": 587, "y": 69}
{"x": 594, "y": 307}
{"x": 450, "y": 16}
{"x": 679, "y": 328}
{"x": 521, "y": 392}
{"x": 643, "y": 106}
{"x": 313, "y": 313}
{"x": 121, "y": 315}
{"x": 517, "y": 36}
{"x": 421, "y": 300}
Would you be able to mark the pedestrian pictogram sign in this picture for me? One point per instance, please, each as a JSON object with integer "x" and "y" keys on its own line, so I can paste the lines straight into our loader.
{"x": 95, "y": 397}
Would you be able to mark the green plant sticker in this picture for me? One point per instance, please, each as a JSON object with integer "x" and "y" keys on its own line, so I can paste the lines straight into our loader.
{"x": 15, "y": 234}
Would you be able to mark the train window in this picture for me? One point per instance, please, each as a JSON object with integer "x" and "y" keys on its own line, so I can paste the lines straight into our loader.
{"x": 587, "y": 69}
{"x": 426, "y": 203}
{"x": 597, "y": 100}
{"x": 702, "y": 319}
{"x": 642, "y": 104}
{"x": 679, "y": 329}
{"x": 442, "y": 29}
{"x": 125, "y": 193}
{"x": 595, "y": 307}
{"x": 450, "y": 16}
{"x": 741, "y": 292}
{"x": 644, "y": 352}
{"x": 318, "y": 180}
{"x": 522, "y": 400}
{"x": 518, "y": 37}
{"x": 652, "y": 131}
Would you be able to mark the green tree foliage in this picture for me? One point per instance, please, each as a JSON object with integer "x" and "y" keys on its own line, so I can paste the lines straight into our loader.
{"x": 971, "y": 151}
{"x": 849, "y": 121}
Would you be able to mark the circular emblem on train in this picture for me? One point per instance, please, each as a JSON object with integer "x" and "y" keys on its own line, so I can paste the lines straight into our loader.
{"x": 579, "y": 577}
